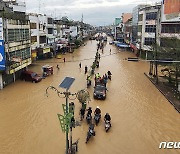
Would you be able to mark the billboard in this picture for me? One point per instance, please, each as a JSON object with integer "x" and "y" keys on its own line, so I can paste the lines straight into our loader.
{"x": 2, "y": 52}
{"x": 117, "y": 21}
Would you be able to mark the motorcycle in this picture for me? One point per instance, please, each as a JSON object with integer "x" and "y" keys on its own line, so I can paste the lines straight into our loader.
{"x": 88, "y": 118}
{"x": 107, "y": 125}
{"x": 97, "y": 118}
{"x": 90, "y": 132}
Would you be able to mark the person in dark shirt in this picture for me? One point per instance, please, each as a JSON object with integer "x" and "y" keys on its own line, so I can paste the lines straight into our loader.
{"x": 97, "y": 110}
{"x": 107, "y": 117}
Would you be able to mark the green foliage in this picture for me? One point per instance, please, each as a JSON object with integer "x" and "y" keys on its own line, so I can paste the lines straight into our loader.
{"x": 77, "y": 42}
{"x": 169, "y": 49}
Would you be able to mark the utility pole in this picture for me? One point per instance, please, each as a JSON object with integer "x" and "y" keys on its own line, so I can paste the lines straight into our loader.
{"x": 157, "y": 24}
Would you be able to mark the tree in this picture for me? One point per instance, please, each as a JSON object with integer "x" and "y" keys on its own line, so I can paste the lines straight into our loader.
{"x": 169, "y": 50}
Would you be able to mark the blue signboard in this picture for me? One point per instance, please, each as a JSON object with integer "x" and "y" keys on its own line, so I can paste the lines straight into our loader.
{"x": 2, "y": 56}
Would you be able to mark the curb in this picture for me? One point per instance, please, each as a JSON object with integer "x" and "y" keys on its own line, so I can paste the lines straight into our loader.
{"x": 162, "y": 92}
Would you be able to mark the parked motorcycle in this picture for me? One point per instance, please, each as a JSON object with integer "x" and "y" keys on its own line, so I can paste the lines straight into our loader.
{"x": 97, "y": 118}
{"x": 107, "y": 125}
{"x": 88, "y": 118}
{"x": 90, "y": 132}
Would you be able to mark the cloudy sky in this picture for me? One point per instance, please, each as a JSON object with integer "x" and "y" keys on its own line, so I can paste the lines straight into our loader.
{"x": 95, "y": 12}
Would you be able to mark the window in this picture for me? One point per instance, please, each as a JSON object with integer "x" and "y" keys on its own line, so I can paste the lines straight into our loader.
{"x": 139, "y": 28}
{"x": 33, "y": 25}
{"x": 42, "y": 39}
{"x": 50, "y": 31}
{"x": 170, "y": 28}
{"x": 33, "y": 39}
{"x": 140, "y": 17}
{"x": 149, "y": 41}
{"x": 151, "y": 16}
{"x": 22, "y": 54}
{"x": 11, "y": 35}
{"x": 15, "y": 35}
{"x": 50, "y": 21}
{"x": 150, "y": 28}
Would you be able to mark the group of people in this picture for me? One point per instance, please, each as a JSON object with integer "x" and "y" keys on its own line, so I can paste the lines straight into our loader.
{"x": 103, "y": 80}
{"x": 97, "y": 111}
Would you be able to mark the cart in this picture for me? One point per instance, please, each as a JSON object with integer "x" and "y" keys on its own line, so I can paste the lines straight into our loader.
{"x": 47, "y": 70}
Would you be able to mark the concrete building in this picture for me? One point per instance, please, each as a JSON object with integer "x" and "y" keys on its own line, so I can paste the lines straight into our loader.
{"x": 15, "y": 41}
{"x": 170, "y": 20}
{"x": 118, "y": 34}
{"x": 127, "y": 30}
{"x": 135, "y": 15}
{"x": 127, "y": 27}
{"x": 42, "y": 35}
{"x": 148, "y": 28}
{"x": 50, "y": 31}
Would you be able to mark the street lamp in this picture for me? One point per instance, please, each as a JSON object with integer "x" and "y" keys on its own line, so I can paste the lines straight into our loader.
{"x": 67, "y": 120}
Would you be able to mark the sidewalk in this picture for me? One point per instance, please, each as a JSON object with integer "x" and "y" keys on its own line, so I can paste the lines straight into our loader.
{"x": 167, "y": 91}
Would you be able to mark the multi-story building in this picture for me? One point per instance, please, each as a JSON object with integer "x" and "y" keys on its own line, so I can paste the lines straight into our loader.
{"x": 127, "y": 30}
{"x": 127, "y": 26}
{"x": 135, "y": 15}
{"x": 34, "y": 26}
{"x": 118, "y": 35}
{"x": 42, "y": 35}
{"x": 15, "y": 41}
{"x": 170, "y": 20}
{"x": 148, "y": 28}
{"x": 50, "y": 31}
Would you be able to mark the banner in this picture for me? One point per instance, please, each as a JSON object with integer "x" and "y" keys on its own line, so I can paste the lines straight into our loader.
{"x": 2, "y": 56}
{"x": 2, "y": 52}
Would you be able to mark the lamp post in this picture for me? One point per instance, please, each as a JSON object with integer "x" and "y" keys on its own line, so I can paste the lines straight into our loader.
{"x": 67, "y": 121}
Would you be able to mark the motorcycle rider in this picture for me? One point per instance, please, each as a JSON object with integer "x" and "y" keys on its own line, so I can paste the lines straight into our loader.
{"x": 109, "y": 73}
{"x": 82, "y": 113}
{"x": 89, "y": 110}
{"x": 97, "y": 111}
{"x": 88, "y": 80}
{"x": 107, "y": 117}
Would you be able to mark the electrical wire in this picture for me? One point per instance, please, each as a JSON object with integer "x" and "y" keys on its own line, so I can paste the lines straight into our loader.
{"x": 107, "y": 55}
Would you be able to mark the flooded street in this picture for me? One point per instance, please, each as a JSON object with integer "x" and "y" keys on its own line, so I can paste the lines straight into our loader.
{"x": 141, "y": 116}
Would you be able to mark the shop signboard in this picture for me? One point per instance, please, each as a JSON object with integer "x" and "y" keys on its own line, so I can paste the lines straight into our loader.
{"x": 2, "y": 56}
{"x": 46, "y": 50}
{"x": 2, "y": 52}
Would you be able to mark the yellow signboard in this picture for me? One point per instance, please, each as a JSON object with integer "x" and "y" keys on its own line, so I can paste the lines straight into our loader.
{"x": 34, "y": 54}
{"x": 46, "y": 50}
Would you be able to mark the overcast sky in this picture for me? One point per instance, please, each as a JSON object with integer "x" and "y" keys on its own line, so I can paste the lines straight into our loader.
{"x": 95, "y": 12}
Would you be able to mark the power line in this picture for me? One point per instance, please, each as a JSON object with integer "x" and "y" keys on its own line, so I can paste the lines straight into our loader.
{"x": 102, "y": 56}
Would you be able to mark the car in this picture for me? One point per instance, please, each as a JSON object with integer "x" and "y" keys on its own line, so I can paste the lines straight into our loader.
{"x": 100, "y": 92}
{"x": 30, "y": 76}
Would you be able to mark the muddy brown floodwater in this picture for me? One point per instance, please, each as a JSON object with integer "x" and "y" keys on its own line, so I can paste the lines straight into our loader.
{"x": 141, "y": 116}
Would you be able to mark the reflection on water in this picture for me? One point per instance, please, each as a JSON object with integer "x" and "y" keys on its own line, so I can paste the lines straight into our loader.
{"x": 141, "y": 116}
